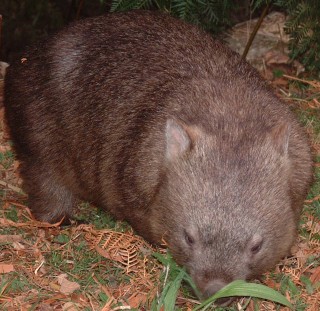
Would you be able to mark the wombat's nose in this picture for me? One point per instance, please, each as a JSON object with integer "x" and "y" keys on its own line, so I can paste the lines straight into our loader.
{"x": 214, "y": 286}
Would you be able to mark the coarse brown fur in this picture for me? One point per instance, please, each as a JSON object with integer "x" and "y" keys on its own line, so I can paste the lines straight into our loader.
{"x": 161, "y": 125}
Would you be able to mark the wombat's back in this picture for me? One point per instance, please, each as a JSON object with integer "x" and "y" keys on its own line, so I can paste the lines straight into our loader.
{"x": 106, "y": 86}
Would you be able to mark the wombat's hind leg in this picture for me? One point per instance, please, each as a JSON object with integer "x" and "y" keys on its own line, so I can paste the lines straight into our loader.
{"x": 49, "y": 200}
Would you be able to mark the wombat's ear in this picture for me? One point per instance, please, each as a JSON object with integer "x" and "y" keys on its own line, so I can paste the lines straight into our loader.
{"x": 178, "y": 140}
{"x": 280, "y": 137}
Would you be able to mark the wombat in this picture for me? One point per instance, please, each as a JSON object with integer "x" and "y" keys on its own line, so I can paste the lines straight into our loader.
{"x": 160, "y": 124}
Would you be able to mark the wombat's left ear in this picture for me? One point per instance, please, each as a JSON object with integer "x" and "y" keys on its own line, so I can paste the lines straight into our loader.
{"x": 280, "y": 137}
{"x": 178, "y": 140}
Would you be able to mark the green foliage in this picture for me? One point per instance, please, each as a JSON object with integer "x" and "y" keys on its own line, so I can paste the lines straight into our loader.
{"x": 242, "y": 288}
{"x": 171, "y": 279}
{"x": 208, "y": 14}
{"x": 303, "y": 26}
{"x": 6, "y": 159}
{"x": 12, "y": 214}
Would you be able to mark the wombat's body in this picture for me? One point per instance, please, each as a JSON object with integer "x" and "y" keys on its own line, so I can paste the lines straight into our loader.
{"x": 154, "y": 121}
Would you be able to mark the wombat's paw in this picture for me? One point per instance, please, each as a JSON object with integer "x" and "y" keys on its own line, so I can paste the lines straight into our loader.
{"x": 51, "y": 218}
{"x": 77, "y": 222}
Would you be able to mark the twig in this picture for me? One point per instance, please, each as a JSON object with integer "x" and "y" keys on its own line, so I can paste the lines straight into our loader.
{"x": 255, "y": 30}
{"x": 315, "y": 84}
{"x": 79, "y": 9}
{"x": 11, "y": 187}
{"x": 316, "y": 198}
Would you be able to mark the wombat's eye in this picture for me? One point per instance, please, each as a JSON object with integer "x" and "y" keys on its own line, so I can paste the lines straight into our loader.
{"x": 189, "y": 238}
{"x": 256, "y": 248}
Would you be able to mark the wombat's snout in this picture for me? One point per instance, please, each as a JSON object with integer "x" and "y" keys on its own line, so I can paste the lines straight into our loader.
{"x": 214, "y": 286}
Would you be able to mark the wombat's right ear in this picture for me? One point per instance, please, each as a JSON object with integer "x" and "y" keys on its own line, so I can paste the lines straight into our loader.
{"x": 178, "y": 140}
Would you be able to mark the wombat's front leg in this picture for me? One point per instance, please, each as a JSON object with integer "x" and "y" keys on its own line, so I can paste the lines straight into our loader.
{"x": 49, "y": 199}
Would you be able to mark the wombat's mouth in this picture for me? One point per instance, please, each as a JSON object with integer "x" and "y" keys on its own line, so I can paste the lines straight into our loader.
{"x": 224, "y": 302}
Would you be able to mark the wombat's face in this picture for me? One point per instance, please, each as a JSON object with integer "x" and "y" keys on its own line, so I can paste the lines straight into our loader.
{"x": 227, "y": 209}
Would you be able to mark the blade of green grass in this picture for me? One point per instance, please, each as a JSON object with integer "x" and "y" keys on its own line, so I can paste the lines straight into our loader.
{"x": 171, "y": 294}
{"x": 242, "y": 288}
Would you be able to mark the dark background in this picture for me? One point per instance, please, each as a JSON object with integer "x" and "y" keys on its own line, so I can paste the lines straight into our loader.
{"x": 28, "y": 21}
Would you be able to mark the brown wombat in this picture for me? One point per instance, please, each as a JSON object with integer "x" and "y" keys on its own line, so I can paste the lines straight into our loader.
{"x": 161, "y": 125}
